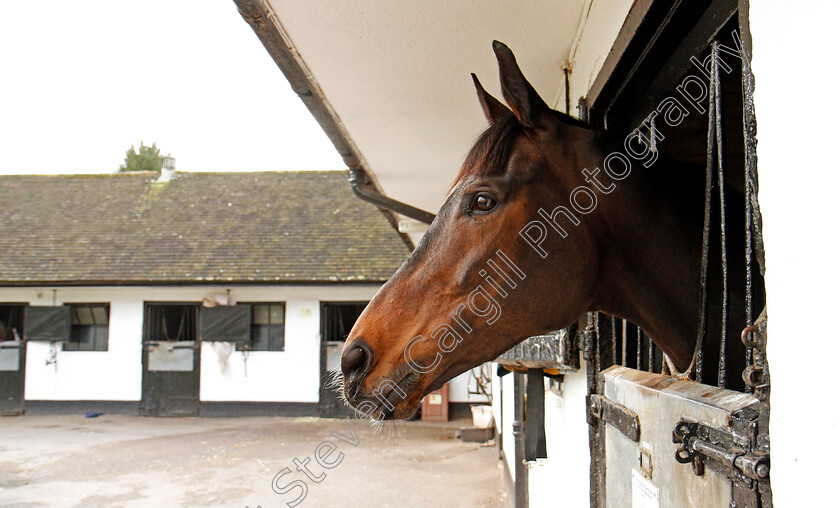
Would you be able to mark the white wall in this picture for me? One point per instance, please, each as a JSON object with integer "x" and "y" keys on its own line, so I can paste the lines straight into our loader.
{"x": 503, "y": 414}
{"x": 87, "y": 375}
{"x": 292, "y": 375}
{"x": 566, "y": 470}
{"x": 595, "y": 39}
{"x": 794, "y": 45}
{"x": 459, "y": 390}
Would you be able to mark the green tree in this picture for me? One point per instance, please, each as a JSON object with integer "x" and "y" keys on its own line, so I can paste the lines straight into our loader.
{"x": 147, "y": 158}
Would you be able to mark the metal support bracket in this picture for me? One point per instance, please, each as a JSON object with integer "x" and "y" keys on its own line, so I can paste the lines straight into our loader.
{"x": 616, "y": 415}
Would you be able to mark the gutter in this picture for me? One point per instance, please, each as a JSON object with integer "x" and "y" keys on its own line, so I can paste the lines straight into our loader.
{"x": 264, "y": 21}
{"x": 358, "y": 180}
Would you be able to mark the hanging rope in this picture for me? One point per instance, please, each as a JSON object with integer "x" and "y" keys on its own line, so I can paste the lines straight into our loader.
{"x": 180, "y": 327}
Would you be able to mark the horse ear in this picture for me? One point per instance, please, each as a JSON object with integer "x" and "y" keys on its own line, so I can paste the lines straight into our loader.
{"x": 525, "y": 102}
{"x": 493, "y": 109}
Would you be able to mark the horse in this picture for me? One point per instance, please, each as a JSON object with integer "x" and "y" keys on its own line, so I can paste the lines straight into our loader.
{"x": 546, "y": 220}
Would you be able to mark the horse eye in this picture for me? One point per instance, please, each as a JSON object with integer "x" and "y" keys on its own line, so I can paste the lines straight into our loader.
{"x": 483, "y": 203}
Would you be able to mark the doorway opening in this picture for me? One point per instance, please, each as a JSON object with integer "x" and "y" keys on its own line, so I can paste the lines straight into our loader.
{"x": 337, "y": 319}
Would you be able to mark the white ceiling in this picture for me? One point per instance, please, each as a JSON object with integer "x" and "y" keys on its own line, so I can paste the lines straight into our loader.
{"x": 397, "y": 75}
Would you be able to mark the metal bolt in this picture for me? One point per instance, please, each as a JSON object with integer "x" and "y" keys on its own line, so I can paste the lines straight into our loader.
{"x": 762, "y": 470}
{"x": 595, "y": 406}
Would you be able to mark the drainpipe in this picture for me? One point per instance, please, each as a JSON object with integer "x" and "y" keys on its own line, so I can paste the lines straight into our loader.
{"x": 520, "y": 482}
{"x": 358, "y": 179}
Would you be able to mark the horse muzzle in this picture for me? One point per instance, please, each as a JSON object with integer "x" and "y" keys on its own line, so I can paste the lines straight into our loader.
{"x": 385, "y": 397}
{"x": 356, "y": 362}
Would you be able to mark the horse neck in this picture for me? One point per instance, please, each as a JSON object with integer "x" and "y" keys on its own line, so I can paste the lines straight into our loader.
{"x": 649, "y": 238}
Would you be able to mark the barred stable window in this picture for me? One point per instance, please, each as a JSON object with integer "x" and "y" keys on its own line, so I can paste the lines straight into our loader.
{"x": 89, "y": 327}
{"x": 268, "y": 327}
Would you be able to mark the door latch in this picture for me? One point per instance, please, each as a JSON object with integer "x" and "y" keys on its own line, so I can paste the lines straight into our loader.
{"x": 701, "y": 446}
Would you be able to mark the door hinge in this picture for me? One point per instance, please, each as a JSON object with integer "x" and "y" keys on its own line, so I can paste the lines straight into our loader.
{"x": 618, "y": 416}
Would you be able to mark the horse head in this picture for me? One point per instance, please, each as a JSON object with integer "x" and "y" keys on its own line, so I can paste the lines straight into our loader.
{"x": 490, "y": 268}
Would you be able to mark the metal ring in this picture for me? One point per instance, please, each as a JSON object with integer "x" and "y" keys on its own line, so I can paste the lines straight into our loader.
{"x": 749, "y": 376}
{"x": 745, "y": 336}
{"x": 682, "y": 429}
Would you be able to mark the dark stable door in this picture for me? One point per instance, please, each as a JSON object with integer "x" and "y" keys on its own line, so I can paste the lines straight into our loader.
{"x": 171, "y": 360}
{"x": 336, "y": 321}
{"x": 12, "y": 359}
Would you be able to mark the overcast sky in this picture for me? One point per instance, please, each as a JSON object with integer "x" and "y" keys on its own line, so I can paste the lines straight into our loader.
{"x": 81, "y": 81}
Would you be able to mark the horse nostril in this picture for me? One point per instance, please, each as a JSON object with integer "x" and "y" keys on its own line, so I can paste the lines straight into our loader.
{"x": 356, "y": 360}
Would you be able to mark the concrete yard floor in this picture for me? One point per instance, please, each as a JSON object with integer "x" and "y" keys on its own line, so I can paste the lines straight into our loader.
{"x": 70, "y": 461}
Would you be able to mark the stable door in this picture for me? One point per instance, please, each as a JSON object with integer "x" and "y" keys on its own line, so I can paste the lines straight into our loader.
{"x": 171, "y": 360}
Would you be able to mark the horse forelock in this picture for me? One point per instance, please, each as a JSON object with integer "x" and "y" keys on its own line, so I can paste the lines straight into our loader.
{"x": 490, "y": 153}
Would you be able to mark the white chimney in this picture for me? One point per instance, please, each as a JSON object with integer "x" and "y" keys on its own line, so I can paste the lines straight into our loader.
{"x": 167, "y": 168}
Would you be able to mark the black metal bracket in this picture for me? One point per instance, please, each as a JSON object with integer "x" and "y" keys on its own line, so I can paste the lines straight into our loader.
{"x": 616, "y": 415}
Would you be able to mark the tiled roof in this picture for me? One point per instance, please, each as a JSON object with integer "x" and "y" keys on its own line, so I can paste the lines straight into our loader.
{"x": 279, "y": 227}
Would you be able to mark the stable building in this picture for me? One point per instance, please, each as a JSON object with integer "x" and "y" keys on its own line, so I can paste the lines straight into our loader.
{"x": 187, "y": 294}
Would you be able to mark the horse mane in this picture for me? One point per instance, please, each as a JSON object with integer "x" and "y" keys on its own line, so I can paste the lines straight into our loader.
{"x": 489, "y": 156}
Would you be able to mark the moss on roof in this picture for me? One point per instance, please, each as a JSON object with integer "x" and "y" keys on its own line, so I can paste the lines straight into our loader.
{"x": 125, "y": 228}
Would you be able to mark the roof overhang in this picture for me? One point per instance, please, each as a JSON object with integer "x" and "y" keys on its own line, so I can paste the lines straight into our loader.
{"x": 389, "y": 81}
